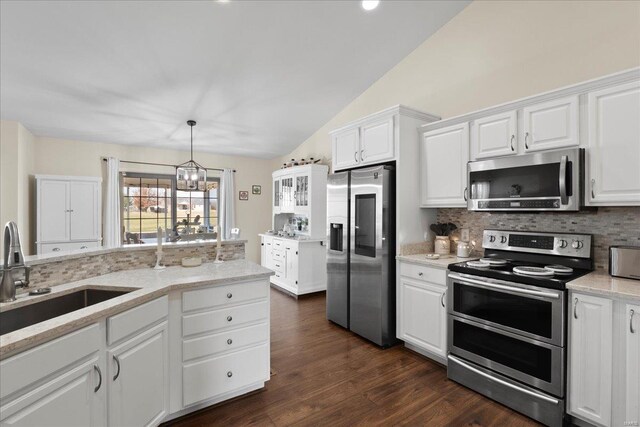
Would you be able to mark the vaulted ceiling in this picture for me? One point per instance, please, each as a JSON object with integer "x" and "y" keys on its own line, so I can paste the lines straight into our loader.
{"x": 259, "y": 77}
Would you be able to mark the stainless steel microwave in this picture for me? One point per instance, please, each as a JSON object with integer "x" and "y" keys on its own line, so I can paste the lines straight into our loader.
{"x": 544, "y": 181}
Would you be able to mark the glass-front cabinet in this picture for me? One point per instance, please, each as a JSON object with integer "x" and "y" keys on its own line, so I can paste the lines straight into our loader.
{"x": 277, "y": 195}
{"x": 301, "y": 193}
{"x": 286, "y": 187}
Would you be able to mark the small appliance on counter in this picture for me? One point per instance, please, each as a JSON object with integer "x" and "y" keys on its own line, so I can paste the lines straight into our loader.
{"x": 624, "y": 261}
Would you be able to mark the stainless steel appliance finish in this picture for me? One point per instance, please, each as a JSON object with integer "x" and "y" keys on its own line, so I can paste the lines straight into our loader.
{"x": 506, "y": 331}
{"x": 624, "y": 261}
{"x": 13, "y": 261}
{"x": 362, "y": 295}
{"x": 545, "y": 181}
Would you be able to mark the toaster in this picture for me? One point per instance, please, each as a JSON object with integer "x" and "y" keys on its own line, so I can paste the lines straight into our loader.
{"x": 624, "y": 261}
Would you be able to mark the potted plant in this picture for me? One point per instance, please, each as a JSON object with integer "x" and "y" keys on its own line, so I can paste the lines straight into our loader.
{"x": 442, "y": 245}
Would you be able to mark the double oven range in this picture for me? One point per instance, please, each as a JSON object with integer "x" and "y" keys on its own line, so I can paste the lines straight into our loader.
{"x": 507, "y": 319}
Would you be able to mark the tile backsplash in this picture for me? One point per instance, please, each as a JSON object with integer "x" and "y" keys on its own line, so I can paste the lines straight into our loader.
{"x": 609, "y": 226}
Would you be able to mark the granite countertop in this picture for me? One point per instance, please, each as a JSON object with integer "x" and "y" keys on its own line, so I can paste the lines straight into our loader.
{"x": 296, "y": 239}
{"x": 145, "y": 284}
{"x": 600, "y": 282}
{"x": 442, "y": 262}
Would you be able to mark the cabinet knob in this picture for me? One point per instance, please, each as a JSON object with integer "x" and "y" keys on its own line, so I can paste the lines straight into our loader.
{"x": 55, "y": 249}
{"x": 229, "y": 318}
{"x": 229, "y": 341}
{"x": 229, "y": 374}
{"x": 229, "y": 295}
{"x": 420, "y": 274}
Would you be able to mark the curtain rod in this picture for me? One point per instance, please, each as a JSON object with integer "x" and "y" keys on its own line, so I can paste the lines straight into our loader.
{"x": 104, "y": 159}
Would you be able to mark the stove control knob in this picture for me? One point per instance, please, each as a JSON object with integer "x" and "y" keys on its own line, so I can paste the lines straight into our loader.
{"x": 492, "y": 239}
{"x": 577, "y": 244}
{"x": 562, "y": 243}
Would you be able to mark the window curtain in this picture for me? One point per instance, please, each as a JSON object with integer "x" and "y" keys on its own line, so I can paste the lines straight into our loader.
{"x": 112, "y": 234}
{"x": 227, "y": 216}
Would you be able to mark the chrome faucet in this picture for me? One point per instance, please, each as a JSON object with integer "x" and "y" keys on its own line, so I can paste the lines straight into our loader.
{"x": 13, "y": 260}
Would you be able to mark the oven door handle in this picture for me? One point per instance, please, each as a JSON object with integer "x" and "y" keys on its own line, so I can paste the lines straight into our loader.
{"x": 502, "y": 382}
{"x": 562, "y": 180}
{"x": 496, "y": 286}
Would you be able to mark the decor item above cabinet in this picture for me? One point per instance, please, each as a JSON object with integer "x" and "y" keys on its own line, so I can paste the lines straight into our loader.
{"x": 68, "y": 213}
{"x": 614, "y": 146}
{"x": 376, "y": 138}
{"x": 444, "y": 154}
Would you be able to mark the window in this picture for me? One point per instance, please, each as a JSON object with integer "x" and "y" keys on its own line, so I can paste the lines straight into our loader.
{"x": 150, "y": 201}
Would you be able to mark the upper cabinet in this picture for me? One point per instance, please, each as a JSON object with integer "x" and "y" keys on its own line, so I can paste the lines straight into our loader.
{"x": 550, "y": 125}
{"x": 614, "y": 146}
{"x": 376, "y": 138}
{"x": 443, "y": 176}
{"x": 495, "y": 135}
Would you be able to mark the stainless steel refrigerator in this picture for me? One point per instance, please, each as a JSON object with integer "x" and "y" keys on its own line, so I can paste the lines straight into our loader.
{"x": 361, "y": 252}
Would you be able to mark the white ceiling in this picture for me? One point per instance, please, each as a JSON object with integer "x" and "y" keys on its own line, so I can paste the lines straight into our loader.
{"x": 259, "y": 76}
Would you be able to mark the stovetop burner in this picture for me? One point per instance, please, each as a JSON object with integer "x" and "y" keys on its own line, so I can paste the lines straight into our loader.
{"x": 533, "y": 271}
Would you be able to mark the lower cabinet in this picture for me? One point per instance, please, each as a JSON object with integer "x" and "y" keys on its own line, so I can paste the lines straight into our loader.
{"x": 421, "y": 309}
{"x": 604, "y": 360}
{"x": 138, "y": 390}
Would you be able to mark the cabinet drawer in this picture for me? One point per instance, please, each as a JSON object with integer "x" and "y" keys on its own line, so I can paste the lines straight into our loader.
{"x": 278, "y": 244}
{"x": 33, "y": 365}
{"x": 47, "y": 248}
{"x": 211, "y": 321}
{"x": 223, "y": 295}
{"x": 209, "y": 378}
{"x": 420, "y": 272}
{"x": 278, "y": 266}
{"x": 124, "y": 324}
{"x": 224, "y": 341}
{"x": 278, "y": 255}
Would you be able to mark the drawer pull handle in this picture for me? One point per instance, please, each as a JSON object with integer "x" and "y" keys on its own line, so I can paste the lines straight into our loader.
{"x": 229, "y": 318}
{"x": 115, "y": 359}
{"x": 420, "y": 274}
{"x": 229, "y": 341}
{"x": 229, "y": 295}
{"x": 97, "y": 369}
{"x": 229, "y": 374}
{"x": 55, "y": 249}
{"x": 575, "y": 308}
{"x": 633, "y": 331}
{"x": 83, "y": 247}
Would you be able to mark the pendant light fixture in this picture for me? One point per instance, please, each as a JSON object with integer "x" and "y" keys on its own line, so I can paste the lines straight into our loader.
{"x": 191, "y": 176}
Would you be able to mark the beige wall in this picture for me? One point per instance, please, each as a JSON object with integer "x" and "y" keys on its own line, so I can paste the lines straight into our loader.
{"x": 66, "y": 157}
{"x": 497, "y": 51}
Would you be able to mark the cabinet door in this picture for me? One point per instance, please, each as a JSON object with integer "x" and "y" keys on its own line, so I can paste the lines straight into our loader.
{"x": 614, "y": 147}
{"x": 277, "y": 195}
{"x": 53, "y": 211}
{"x": 590, "y": 360}
{"x": 494, "y": 136}
{"x": 553, "y": 124}
{"x": 286, "y": 186}
{"x": 84, "y": 205}
{"x": 291, "y": 269}
{"x": 377, "y": 141}
{"x": 139, "y": 379}
{"x": 632, "y": 377}
{"x": 423, "y": 315}
{"x": 345, "y": 147}
{"x": 73, "y": 398}
{"x": 443, "y": 167}
{"x": 301, "y": 193}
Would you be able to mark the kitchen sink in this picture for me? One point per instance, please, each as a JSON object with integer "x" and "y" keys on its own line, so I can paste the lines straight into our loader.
{"x": 28, "y": 315}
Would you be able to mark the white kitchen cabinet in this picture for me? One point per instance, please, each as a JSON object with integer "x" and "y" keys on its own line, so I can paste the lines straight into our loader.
{"x": 551, "y": 125}
{"x": 631, "y": 325}
{"x": 377, "y": 141}
{"x": 277, "y": 195}
{"x": 68, "y": 211}
{"x": 590, "y": 358}
{"x": 59, "y": 383}
{"x": 613, "y": 177}
{"x": 421, "y": 312}
{"x": 291, "y": 262}
{"x": 443, "y": 167}
{"x": 302, "y": 193}
{"x": 287, "y": 189}
{"x": 494, "y": 136}
{"x": 139, "y": 387}
{"x": 345, "y": 146}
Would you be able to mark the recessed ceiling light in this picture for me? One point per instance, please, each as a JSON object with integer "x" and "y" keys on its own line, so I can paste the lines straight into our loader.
{"x": 370, "y": 4}
{"x": 223, "y": 1}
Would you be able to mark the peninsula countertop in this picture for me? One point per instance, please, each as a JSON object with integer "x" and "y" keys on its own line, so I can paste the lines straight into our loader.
{"x": 600, "y": 282}
{"x": 145, "y": 284}
{"x": 442, "y": 262}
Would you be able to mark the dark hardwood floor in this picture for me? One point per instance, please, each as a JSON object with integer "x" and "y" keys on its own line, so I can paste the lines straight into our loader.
{"x": 325, "y": 375}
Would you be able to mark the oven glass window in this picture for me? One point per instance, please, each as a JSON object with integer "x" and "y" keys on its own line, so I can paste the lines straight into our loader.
{"x": 518, "y": 312}
{"x": 513, "y": 183}
{"x": 522, "y": 356}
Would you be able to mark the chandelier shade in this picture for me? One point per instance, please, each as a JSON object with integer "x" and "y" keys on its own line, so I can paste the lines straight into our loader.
{"x": 191, "y": 176}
